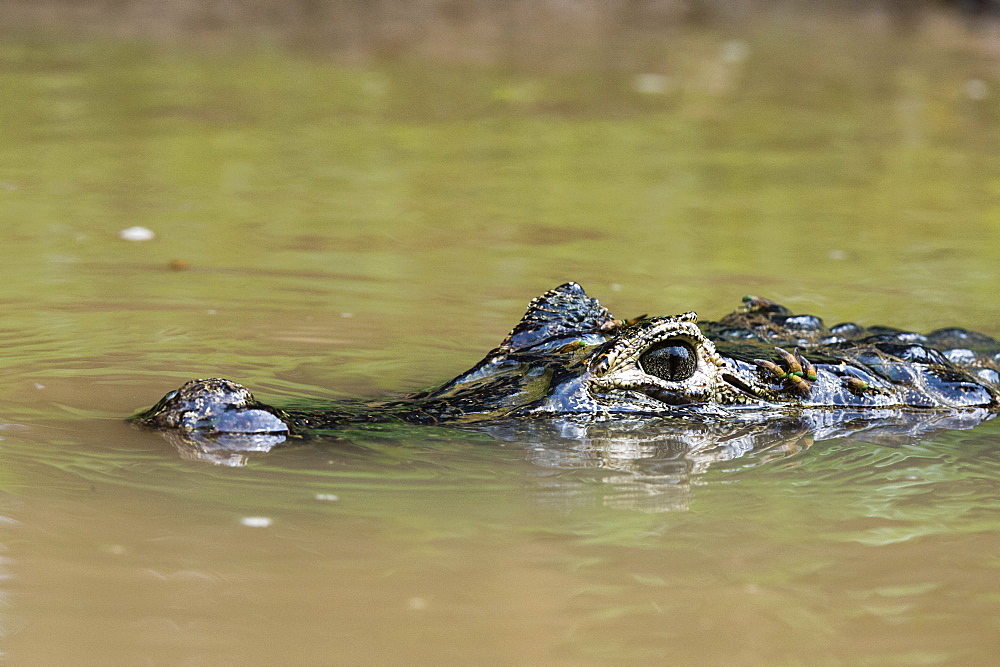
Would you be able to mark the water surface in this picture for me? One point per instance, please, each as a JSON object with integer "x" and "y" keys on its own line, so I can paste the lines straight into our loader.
{"x": 361, "y": 230}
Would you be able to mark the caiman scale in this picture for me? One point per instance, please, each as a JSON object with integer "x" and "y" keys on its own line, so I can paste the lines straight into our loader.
{"x": 570, "y": 357}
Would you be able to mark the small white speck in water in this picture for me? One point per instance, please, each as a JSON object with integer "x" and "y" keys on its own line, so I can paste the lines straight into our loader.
{"x": 417, "y": 604}
{"x": 136, "y": 234}
{"x": 39, "y": 386}
{"x": 837, "y": 254}
{"x": 256, "y": 521}
{"x": 976, "y": 89}
{"x": 650, "y": 84}
{"x": 615, "y": 287}
{"x": 735, "y": 51}
{"x": 347, "y": 315}
{"x": 329, "y": 497}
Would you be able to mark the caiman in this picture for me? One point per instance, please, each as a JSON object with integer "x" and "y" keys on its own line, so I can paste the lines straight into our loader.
{"x": 570, "y": 358}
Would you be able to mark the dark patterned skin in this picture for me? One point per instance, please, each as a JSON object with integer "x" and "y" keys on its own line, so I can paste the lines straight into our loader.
{"x": 569, "y": 356}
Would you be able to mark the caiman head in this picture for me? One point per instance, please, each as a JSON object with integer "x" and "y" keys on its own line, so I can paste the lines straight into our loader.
{"x": 650, "y": 365}
{"x": 568, "y": 355}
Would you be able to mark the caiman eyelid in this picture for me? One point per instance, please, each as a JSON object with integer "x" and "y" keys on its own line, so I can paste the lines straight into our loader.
{"x": 599, "y": 364}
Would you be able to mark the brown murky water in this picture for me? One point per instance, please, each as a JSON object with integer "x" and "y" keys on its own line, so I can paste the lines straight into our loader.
{"x": 357, "y": 231}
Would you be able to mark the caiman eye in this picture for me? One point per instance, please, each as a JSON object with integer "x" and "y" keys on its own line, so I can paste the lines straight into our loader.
{"x": 672, "y": 360}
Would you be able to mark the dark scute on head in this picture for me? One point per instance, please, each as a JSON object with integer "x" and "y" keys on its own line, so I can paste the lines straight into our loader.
{"x": 886, "y": 367}
{"x": 805, "y": 323}
{"x": 914, "y": 353}
{"x": 716, "y": 331}
{"x": 961, "y": 356}
{"x": 560, "y": 312}
{"x": 946, "y": 339}
{"x": 846, "y": 329}
{"x": 756, "y": 304}
{"x": 879, "y": 334}
{"x": 987, "y": 375}
{"x": 956, "y": 387}
{"x": 671, "y": 360}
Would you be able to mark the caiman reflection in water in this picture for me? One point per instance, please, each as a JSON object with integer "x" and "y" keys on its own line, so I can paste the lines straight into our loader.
{"x": 658, "y": 397}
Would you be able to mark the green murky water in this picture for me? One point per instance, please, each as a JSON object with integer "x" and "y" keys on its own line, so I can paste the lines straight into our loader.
{"x": 362, "y": 230}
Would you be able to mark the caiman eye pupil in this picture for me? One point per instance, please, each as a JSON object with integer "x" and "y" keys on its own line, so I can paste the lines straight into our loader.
{"x": 671, "y": 360}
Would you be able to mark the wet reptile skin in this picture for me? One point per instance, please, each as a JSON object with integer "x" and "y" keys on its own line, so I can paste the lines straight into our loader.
{"x": 569, "y": 356}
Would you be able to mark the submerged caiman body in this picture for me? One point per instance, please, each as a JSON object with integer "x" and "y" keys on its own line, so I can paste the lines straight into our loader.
{"x": 569, "y": 357}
